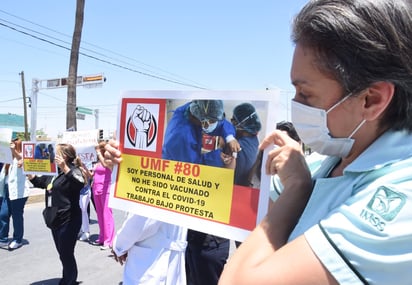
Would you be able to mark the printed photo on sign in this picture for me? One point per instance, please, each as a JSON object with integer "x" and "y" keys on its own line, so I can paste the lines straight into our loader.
{"x": 178, "y": 165}
{"x": 39, "y": 157}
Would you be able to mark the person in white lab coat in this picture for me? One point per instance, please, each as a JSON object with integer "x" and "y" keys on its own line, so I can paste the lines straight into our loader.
{"x": 153, "y": 252}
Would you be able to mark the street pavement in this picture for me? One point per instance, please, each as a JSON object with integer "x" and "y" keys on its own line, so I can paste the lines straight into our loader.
{"x": 37, "y": 261}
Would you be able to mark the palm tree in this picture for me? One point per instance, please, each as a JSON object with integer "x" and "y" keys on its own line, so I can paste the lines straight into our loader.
{"x": 74, "y": 60}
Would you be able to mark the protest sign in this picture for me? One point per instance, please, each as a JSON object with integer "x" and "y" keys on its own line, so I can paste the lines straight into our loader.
{"x": 39, "y": 157}
{"x": 84, "y": 142}
{"x": 194, "y": 195}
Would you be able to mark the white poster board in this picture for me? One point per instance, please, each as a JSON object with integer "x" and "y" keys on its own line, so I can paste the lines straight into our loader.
{"x": 84, "y": 142}
{"x": 196, "y": 196}
{"x": 5, "y": 139}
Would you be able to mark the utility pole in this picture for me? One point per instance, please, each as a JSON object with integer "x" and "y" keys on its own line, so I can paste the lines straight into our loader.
{"x": 96, "y": 118}
{"x": 74, "y": 61}
{"x": 34, "y": 92}
{"x": 26, "y": 133}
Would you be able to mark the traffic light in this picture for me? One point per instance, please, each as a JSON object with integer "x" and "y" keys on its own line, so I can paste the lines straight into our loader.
{"x": 100, "y": 134}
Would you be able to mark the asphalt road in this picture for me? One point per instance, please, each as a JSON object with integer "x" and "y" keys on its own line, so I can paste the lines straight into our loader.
{"x": 37, "y": 262}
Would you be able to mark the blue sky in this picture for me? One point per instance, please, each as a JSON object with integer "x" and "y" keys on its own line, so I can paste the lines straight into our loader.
{"x": 150, "y": 45}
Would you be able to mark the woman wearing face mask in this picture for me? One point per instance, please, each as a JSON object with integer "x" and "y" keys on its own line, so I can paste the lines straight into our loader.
{"x": 351, "y": 222}
{"x": 63, "y": 214}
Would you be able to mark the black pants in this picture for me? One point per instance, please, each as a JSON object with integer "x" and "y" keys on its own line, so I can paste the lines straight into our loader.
{"x": 206, "y": 255}
{"x": 65, "y": 238}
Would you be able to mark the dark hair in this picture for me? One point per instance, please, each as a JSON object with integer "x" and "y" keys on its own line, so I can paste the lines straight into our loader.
{"x": 70, "y": 153}
{"x": 71, "y": 157}
{"x": 289, "y": 128}
{"x": 360, "y": 42}
{"x": 17, "y": 145}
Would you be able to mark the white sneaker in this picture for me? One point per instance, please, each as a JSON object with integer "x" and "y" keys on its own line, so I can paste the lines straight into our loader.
{"x": 104, "y": 247}
{"x": 84, "y": 236}
{"x": 15, "y": 245}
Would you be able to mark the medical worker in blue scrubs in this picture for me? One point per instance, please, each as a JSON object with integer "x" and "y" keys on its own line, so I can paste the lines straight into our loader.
{"x": 351, "y": 221}
{"x": 247, "y": 123}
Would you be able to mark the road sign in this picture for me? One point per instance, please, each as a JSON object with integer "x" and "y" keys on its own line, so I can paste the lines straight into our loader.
{"x": 83, "y": 110}
{"x": 53, "y": 83}
{"x": 62, "y": 82}
{"x": 94, "y": 78}
{"x": 88, "y": 81}
{"x": 80, "y": 116}
{"x": 65, "y": 81}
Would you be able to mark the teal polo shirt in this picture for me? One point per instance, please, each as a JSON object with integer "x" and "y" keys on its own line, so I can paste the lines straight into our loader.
{"x": 360, "y": 224}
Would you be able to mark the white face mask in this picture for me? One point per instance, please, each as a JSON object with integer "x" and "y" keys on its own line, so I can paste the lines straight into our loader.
{"x": 211, "y": 127}
{"x": 311, "y": 126}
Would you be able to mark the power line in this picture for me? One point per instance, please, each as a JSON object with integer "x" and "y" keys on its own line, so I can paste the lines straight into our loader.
{"x": 96, "y": 46}
{"x": 58, "y": 99}
{"x": 4, "y": 101}
{"x": 102, "y": 60}
{"x": 57, "y": 39}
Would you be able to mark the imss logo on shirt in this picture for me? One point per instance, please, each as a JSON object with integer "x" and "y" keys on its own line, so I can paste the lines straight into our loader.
{"x": 387, "y": 203}
{"x": 384, "y": 206}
